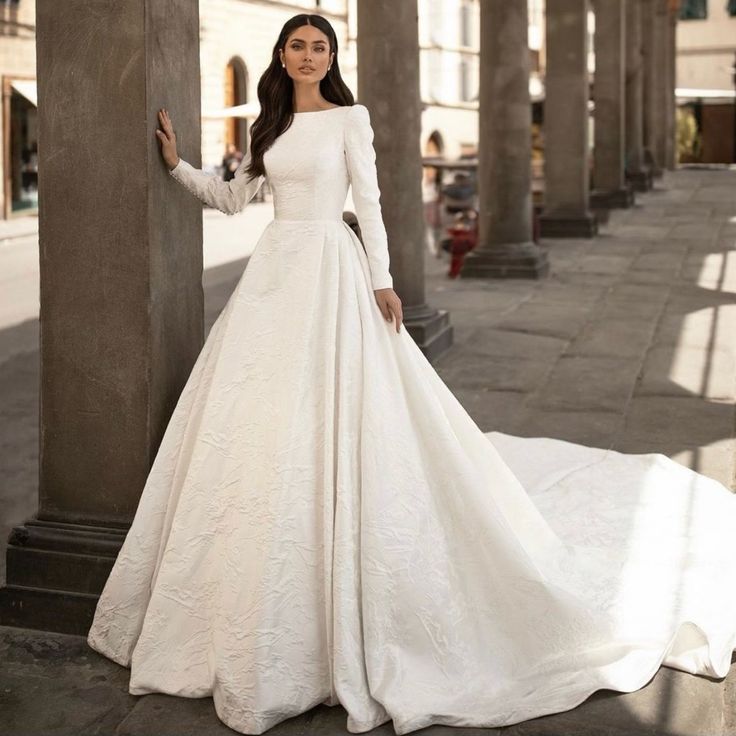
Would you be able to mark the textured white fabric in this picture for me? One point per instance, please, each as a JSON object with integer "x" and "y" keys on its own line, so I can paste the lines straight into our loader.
{"x": 348, "y": 137}
{"x": 325, "y": 523}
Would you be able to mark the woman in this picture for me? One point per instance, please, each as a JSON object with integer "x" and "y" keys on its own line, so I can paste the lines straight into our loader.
{"x": 324, "y": 523}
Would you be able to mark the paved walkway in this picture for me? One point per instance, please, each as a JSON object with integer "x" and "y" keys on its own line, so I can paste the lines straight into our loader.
{"x": 630, "y": 343}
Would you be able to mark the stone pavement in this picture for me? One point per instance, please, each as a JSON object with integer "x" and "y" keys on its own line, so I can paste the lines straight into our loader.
{"x": 18, "y": 227}
{"x": 630, "y": 343}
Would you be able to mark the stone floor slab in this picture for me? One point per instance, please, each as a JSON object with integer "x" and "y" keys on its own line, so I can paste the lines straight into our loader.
{"x": 681, "y": 370}
{"x": 678, "y": 423}
{"x": 702, "y": 328}
{"x": 501, "y": 411}
{"x": 600, "y": 263}
{"x": 585, "y": 383}
{"x": 643, "y": 232}
{"x": 490, "y": 373}
{"x": 55, "y": 684}
{"x": 694, "y": 231}
{"x": 555, "y": 320}
{"x": 493, "y": 342}
{"x": 628, "y": 292}
{"x": 660, "y": 260}
{"x": 590, "y": 428}
{"x": 623, "y": 338}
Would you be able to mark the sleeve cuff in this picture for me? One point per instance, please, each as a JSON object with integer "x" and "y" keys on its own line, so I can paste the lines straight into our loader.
{"x": 386, "y": 282}
{"x": 178, "y": 168}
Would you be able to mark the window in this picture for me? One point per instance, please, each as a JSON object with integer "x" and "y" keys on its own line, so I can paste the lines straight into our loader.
{"x": 465, "y": 22}
{"x": 464, "y": 80}
{"x": 693, "y": 9}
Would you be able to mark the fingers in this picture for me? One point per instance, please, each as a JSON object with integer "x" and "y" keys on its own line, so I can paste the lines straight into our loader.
{"x": 165, "y": 120}
{"x": 390, "y": 306}
{"x": 398, "y": 314}
{"x": 162, "y": 123}
{"x": 391, "y": 309}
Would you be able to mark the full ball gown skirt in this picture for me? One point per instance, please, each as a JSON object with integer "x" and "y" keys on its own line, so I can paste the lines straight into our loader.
{"x": 324, "y": 522}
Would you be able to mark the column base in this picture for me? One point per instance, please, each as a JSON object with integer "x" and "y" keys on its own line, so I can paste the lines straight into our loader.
{"x": 55, "y": 573}
{"x": 506, "y": 261}
{"x": 651, "y": 163}
{"x": 568, "y": 226}
{"x": 622, "y": 198}
{"x": 430, "y": 329}
{"x": 640, "y": 181}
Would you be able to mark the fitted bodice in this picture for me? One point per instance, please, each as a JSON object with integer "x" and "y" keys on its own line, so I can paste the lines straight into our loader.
{"x": 306, "y": 167}
{"x": 309, "y": 169}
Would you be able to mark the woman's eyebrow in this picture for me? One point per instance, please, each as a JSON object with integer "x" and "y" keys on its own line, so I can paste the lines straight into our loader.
{"x": 303, "y": 41}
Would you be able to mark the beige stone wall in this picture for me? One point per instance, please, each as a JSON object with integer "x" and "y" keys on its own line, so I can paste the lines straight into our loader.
{"x": 705, "y": 49}
{"x": 248, "y": 30}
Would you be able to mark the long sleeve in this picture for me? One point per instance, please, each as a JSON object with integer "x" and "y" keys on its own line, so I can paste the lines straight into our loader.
{"x": 361, "y": 162}
{"x": 227, "y": 196}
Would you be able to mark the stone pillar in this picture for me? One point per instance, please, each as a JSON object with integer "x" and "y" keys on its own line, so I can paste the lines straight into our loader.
{"x": 506, "y": 248}
{"x": 661, "y": 39}
{"x": 566, "y": 151}
{"x": 637, "y": 172}
{"x": 121, "y": 302}
{"x": 388, "y": 85}
{"x": 652, "y": 80}
{"x": 609, "y": 151}
{"x": 671, "y": 85}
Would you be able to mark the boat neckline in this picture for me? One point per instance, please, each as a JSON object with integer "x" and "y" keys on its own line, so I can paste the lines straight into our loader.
{"x": 327, "y": 109}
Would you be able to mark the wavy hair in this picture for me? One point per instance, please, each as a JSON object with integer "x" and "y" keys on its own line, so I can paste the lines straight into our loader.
{"x": 276, "y": 91}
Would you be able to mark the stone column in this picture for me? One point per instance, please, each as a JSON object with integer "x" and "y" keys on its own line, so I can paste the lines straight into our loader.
{"x": 506, "y": 248}
{"x": 637, "y": 172}
{"x": 661, "y": 39}
{"x": 654, "y": 80}
{"x": 609, "y": 153}
{"x": 388, "y": 85}
{"x": 671, "y": 85}
{"x": 121, "y": 302}
{"x": 566, "y": 151}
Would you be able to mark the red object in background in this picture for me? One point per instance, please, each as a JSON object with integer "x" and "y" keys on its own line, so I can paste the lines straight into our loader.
{"x": 464, "y": 234}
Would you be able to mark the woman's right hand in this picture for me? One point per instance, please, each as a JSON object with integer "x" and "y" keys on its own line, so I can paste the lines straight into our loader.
{"x": 167, "y": 137}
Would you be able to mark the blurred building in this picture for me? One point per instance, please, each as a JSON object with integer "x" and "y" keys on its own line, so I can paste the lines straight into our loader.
{"x": 236, "y": 42}
{"x": 18, "y": 123}
{"x": 706, "y": 54}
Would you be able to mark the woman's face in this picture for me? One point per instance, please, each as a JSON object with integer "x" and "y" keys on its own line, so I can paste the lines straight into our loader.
{"x": 306, "y": 55}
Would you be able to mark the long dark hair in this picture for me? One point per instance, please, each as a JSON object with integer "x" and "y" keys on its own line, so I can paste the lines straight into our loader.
{"x": 276, "y": 91}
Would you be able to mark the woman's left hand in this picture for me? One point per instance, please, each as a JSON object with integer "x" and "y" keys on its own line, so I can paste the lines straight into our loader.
{"x": 390, "y": 305}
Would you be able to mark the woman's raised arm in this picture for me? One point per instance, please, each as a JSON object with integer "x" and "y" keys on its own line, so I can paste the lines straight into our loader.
{"x": 227, "y": 196}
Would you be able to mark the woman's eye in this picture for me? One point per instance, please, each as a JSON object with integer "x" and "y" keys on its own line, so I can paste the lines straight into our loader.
{"x": 297, "y": 46}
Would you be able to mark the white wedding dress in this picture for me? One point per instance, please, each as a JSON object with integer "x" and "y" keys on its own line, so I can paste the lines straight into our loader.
{"x": 324, "y": 523}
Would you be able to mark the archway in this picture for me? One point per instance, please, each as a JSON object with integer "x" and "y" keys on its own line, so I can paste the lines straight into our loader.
{"x": 236, "y": 93}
